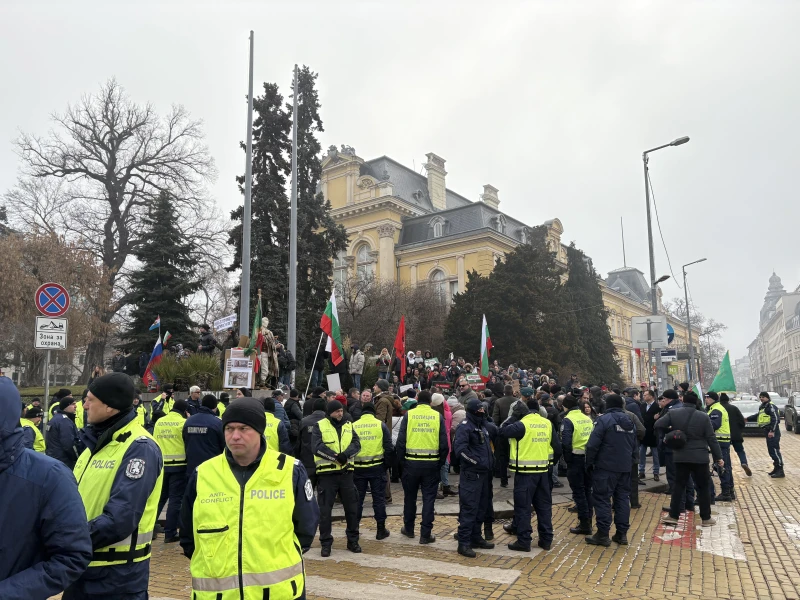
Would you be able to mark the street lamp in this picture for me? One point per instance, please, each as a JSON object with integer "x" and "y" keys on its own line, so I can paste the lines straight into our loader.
{"x": 688, "y": 316}
{"x": 653, "y": 297}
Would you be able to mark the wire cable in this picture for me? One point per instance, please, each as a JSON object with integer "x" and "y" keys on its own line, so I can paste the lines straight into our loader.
{"x": 658, "y": 221}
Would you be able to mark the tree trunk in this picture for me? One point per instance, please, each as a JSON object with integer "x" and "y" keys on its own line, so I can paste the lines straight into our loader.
{"x": 94, "y": 356}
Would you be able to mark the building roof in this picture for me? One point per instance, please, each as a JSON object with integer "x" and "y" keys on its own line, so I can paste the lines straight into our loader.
{"x": 629, "y": 281}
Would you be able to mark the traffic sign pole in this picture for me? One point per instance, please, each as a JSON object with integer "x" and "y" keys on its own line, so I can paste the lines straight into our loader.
{"x": 46, "y": 416}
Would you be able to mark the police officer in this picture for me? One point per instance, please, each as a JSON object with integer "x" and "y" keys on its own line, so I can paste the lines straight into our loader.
{"x": 163, "y": 402}
{"x": 203, "y": 437}
{"x": 137, "y": 406}
{"x": 611, "y": 446}
{"x": 371, "y": 462}
{"x": 32, "y": 437}
{"x": 575, "y": 431}
{"x": 304, "y": 450}
{"x": 276, "y": 432}
{"x": 193, "y": 400}
{"x": 335, "y": 444}
{"x": 233, "y": 501}
{"x": 722, "y": 429}
{"x": 533, "y": 449}
{"x": 422, "y": 449}
{"x": 473, "y": 452}
{"x": 119, "y": 478}
{"x": 168, "y": 433}
{"x": 769, "y": 420}
{"x": 62, "y": 434}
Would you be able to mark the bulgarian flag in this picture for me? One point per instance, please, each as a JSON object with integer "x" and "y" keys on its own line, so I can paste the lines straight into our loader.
{"x": 330, "y": 325}
{"x": 486, "y": 346}
{"x": 698, "y": 389}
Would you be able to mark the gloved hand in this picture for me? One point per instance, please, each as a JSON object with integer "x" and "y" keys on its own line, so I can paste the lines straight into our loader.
{"x": 341, "y": 458}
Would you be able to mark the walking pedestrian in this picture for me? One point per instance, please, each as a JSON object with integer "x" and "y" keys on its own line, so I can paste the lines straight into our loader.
{"x": 769, "y": 420}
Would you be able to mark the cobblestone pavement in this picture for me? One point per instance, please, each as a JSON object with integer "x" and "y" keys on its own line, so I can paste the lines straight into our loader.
{"x": 753, "y": 553}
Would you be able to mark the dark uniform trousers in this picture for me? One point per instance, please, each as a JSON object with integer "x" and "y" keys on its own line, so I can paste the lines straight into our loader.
{"x": 72, "y": 594}
{"x": 685, "y": 473}
{"x": 426, "y": 478}
{"x": 533, "y": 489}
{"x": 774, "y": 449}
{"x": 375, "y": 477}
{"x": 474, "y": 497}
{"x": 726, "y": 481}
{"x": 608, "y": 485}
{"x": 581, "y": 484}
{"x": 172, "y": 489}
{"x": 687, "y": 500}
{"x": 328, "y": 485}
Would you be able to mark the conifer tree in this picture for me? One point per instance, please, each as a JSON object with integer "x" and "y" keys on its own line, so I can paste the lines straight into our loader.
{"x": 162, "y": 283}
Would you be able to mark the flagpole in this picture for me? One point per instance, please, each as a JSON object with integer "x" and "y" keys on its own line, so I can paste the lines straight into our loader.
{"x": 313, "y": 363}
{"x": 244, "y": 307}
{"x": 292, "y": 316}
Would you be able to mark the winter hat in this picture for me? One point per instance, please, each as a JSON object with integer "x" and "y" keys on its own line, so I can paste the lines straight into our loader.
{"x": 209, "y": 401}
{"x": 614, "y": 401}
{"x": 684, "y": 386}
{"x": 62, "y": 393}
{"x": 319, "y": 404}
{"x": 437, "y": 399}
{"x": 383, "y": 385}
{"x": 318, "y": 391}
{"x": 577, "y": 392}
{"x": 473, "y": 405}
{"x": 670, "y": 394}
{"x": 723, "y": 397}
{"x": 342, "y": 399}
{"x": 713, "y": 395}
{"x": 487, "y": 393}
{"x": 408, "y": 404}
{"x": 554, "y": 389}
{"x": 527, "y": 392}
{"x": 114, "y": 390}
{"x": 224, "y": 397}
{"x": 247, "y": 411}
{"x": 332, "y": 407}
{"x": 246, "y": 393}
{"x": 570, "y": 402}
{"x": 412, "y": 393}
{"x": 269, "y": 405}
{"x": 181, "y": 406}
{"x": 452, "y": 401}
{"x": 368, "y": 407}
{"x": 65, "y": 402}
{"x": 34, "y": 412}
{"x": 544, "y": 398}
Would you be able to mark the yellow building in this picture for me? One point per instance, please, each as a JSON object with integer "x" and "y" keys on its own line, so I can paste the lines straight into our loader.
{"x": 407, "y": 227}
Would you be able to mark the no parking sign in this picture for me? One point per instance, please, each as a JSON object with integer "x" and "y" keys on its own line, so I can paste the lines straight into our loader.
{"x": 52, "y": 299}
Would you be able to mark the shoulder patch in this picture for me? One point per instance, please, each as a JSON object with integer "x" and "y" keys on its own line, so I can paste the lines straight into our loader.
{"x": 135, "y": 468}
{"x": 297, "y": 462}
{"x": 309, "y": 490}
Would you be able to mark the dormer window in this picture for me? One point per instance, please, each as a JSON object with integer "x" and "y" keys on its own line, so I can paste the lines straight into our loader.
{"x": 500, "y": 223}
{"x": 525, "y": 235}
{"x": 438, "y": 226}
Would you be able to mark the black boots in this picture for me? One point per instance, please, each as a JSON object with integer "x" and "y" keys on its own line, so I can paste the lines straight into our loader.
{"x": 382, "y": 532}
{"x": 427, "y": 539}
{"x": 487, "y": 532}
{"x": 483, "y": 545}
{"x": 778, "y": 473}
{"x": 449, "y": 491}
{"x": 620, "y": 538}
{"x": 466, "y": 551}
{"x": 408, "y": 534}
{"x": 509, "y": 528}
{"x": 725, "y": 496}
{"x": 584, "y": 527}
{"x": 599, "y": 539}
{"x": 326, "y": 551}
{"x": 518, "y": 547}
{"x": 353, "y": 547}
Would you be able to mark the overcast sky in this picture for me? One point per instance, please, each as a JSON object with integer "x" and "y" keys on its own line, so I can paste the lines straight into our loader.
{"x": 551, "y": 102}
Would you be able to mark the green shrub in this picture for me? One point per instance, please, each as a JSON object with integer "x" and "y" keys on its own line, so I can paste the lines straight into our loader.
{"x": 167, "y": 370}
{"x": 200, "y": 370}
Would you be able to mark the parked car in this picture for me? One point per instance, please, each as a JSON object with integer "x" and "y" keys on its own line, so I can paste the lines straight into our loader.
{"x": 779, "y": 401}
{"x": 748, "y": 409}
{"x": 790, "y": 416}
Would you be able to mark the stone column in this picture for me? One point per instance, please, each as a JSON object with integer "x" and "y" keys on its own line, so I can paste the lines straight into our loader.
{"x": 386, "y": 266}
{"x": 462, "y": 274}
{"x": 413, "y": 273}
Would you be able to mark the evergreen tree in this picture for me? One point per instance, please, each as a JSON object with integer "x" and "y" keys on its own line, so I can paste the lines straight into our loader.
{"x": 269, "y": 246}
{"x": 592, "y": 319}
{"x": 528, "y": 313}
{"x": 162, "y": 283}
{"x": 319, "y": 237}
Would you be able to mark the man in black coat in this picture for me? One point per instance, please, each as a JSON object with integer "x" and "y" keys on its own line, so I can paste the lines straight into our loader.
{"x": 305, "y": 450}
{"x": 207, "y": 340}
{"x": 62, "y": 435}
{"x": 737, "y": 422}
{"x": 691, "y": 459}
{"x": 650, "y": 410}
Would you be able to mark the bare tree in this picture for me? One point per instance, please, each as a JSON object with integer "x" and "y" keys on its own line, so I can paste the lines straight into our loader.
{"x": 710, "y": 349}
{"x": 216, "y": 297}
{"x": 111, "y": 158}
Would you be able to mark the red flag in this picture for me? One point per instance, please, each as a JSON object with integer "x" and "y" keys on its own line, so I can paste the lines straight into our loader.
{"x": 400, "y": 347}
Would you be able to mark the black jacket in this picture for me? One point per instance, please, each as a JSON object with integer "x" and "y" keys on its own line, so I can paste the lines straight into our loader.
{"x": 208, "y": 343}
{"x": 304, "y": 450}
{"x": 736, "y": 421}
{"x": 649, "y": 421}
{"x": 295, "y": 413}
{"x": 700, "y": 436}
{"x": 62, "y": 439}
{"x": 501, "y": 408}
{"x": 203, "y": 438}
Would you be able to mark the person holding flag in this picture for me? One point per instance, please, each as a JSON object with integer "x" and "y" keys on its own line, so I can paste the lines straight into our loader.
{"x": 155, "y": 358}
{"x": 486, "y": 346}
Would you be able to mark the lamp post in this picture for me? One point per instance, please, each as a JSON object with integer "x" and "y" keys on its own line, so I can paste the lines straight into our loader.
{"x": 689, "y": 318}
{"x": 653, "y": 282}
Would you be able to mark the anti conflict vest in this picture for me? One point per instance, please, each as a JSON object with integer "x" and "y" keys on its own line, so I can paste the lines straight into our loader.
{"x": 231, "y": 560}
{"x": 271, "y": 432}
{"x": 331, "y": 439}
{"x": 534, "y": 452}
{"x": 95, "y": 475}
{"x": 370, "y": 434}
{"x": 168, "y": 432}
{"x": 422, "y": 433}
{"x": 38, "y": 438}
{"x": 582, "y": 428}
{"x": 724, "y": 432}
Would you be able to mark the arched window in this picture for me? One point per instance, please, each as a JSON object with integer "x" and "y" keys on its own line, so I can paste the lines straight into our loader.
{"x": 439, "y": 284}
{"x": 340, "y": 268}
{"x": 501, "y": 224}
{"x": 437, "y": 229}
{"x": 364, "y": 263}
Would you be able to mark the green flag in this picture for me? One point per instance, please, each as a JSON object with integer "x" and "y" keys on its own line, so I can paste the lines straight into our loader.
{"x": 724, "y": 382}
{"x": 254, "y": 337}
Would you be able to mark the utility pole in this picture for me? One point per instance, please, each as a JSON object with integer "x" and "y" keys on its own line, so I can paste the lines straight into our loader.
{"x": 292, "y": 333}
{"x": 244, "y": 305}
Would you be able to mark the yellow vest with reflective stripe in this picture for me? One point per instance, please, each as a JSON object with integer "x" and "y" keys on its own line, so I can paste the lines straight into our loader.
{"x": 231, "y": 524}
{"x": 422, "y": 433}
{"x": 582, "y": 427}
{"x": 95, "y": 475}
{"x": 331, "y": 439}
{"x": 724, "y": 432}
{"x": 271, "y": 432}
{"x": 168, "y": 432}
{"x": 534, "y": 452}
{"x": 38, "y": 438}
{"x": 370, "y": 434}
{"x": 763, "y": 418}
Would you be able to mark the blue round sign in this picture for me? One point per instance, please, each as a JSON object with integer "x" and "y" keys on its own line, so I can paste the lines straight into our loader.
{"x": 52, "y": 299}
{"x": 670, "y": 333}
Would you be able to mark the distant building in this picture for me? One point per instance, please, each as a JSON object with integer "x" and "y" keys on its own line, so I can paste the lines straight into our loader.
{"x": 741, "y": 375}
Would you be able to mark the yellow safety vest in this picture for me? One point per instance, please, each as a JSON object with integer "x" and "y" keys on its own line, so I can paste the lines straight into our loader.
{"x": 79, "y": 423}
{"x": 220, "y": 409}
{"x": 271, "y": 432}
{"x": 582, "y": 427}
{"x": 231, "y": 560}
{"x": 422, "y": 433}
{"x": 168, "y": 432}
{"x": 38, "y": 438}
{"x": 534, "y": 452}
{"x": 763, "y": 418}
{"x": 724, "y": 432}
{"x": 139, "y": 415}
{"x": 370, "y": 435}
{"x": 96, "y": 474}
{"x": 337, "y": 445}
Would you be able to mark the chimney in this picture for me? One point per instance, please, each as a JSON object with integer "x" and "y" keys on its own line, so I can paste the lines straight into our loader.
{"x": 489, "y": 196}
{"x": 436, "y": 181}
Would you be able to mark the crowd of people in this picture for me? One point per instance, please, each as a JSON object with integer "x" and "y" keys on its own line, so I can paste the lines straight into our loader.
{"x": 230, "y": 470}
